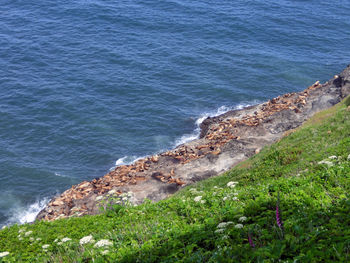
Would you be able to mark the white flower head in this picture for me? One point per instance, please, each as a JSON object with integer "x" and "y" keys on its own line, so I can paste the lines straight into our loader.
{"x": 21, "y": 230}
{"x": 197, "y": 198}
{"x": 28, "y": 233}
{"x": 111, "y": 192}
{"x": 66, "y": 239}
{"x": 242, "y": 219}
{"x": 45, "y": 246}
{"x": 86, "y": 240}
{"x": 239, "y": 226}
{"x": 98, "y": 198}
{"x": 4, "y": 254}
{"x": 225, "y": 198}
{"x": 31, "y": 239}
{"x": 328, "y": 163}
{"x": 203, "y": 201}
{"x": 222, "y": 225}
{"x": 103, "y": 243}
{"x": 59, "y": 243}
{"x": 234, "y": 198}
{"x": 232, "y": 184}
{"x": 105, "y": 252}
{"x": 38, "y": 239}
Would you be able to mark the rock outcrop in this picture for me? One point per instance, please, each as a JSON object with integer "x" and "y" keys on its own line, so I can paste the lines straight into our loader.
{"x": 224, "y": 141}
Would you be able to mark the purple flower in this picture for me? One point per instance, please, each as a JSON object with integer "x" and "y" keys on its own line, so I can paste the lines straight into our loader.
{"x": 251, "y": 243}
{"x": 278, "y": 213}
{"x": 278, "y": 217}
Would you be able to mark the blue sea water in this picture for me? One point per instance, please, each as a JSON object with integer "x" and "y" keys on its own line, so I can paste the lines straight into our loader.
{"x": 88, "y": 84}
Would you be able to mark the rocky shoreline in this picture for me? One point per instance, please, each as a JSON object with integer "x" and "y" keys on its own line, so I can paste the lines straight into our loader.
{"x": 224, "y": 141}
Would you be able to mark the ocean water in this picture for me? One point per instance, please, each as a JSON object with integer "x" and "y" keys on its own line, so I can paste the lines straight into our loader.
{"x": 89, "y": 84}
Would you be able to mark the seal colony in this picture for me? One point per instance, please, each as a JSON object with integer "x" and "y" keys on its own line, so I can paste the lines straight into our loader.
{"x": 224, "y": 141}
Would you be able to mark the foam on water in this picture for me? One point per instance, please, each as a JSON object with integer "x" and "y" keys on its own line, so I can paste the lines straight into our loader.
{"x": 26, "y": 214}
{"x": 126, "y": 160}
{"x": 221, "y": 110}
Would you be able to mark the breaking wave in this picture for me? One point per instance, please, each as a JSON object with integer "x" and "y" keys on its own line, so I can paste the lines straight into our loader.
{"x": 26, "y": 214}
{"x": 223, "y": 109}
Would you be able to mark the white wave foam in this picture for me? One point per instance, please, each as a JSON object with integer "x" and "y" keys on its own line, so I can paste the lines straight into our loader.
{"x": 126, "y": 160}
{"x": 221, "y": 110}
{"x": 27, "y": 214}
{"x": 60, "y": 175}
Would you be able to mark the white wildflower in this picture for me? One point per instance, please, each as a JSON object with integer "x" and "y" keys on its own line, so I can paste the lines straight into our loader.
{"x": 56, "y": 240}
{"x": 28, "y": 233}
{"x": 203, "y": 201}
{"x": 333, "y": 157}
{"x": 238, "y": 226}
{"x": 59, "y": 243}
{"x": 234, "y": 198}
{"x": 66, "y": 239}
{"x": 87, "y": 239}
{"x": 222, "y": 225}
{"x": 125, "y": 199}
{"x": 31, "y": 239}
{"x": 21, "y": 230}
{"x": 105, "y": 252}
{"x": 103, "y": 243}
{"x": 235, "y": 194}
{"x": 20, "y": 238}
{"x": 111, "y": 192}
{"x": 229, "y": 223}
{"x": 326, "y": 162}
{"x": 225, "y": 198}
{"x": 214, "y": 193}
{"x": 4, "y": 254}
{"x": 242, "y": 219}
{"x": 231, "y": 184}
{"x": 215, "y": 187}
{"x": 38, "y": 239}
{"x": 45, "y": 246}
{"x": 98, "y": 198}
{"x": 3, "y": 227}
{"x": 225, "y": 237}
{"x": 348, "y": 157}
{"x": 221, "y": 230}
{"x": 197, "y": 198}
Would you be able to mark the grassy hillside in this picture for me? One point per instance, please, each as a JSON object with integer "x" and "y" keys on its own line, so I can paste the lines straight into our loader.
{"x": 289, "y": 203}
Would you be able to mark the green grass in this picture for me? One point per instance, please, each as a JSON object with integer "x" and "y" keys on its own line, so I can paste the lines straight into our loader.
{"x": 314, "y": 204}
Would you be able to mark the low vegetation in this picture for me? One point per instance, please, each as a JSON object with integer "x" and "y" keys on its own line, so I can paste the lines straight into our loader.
{"x": 289, "y": 203}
